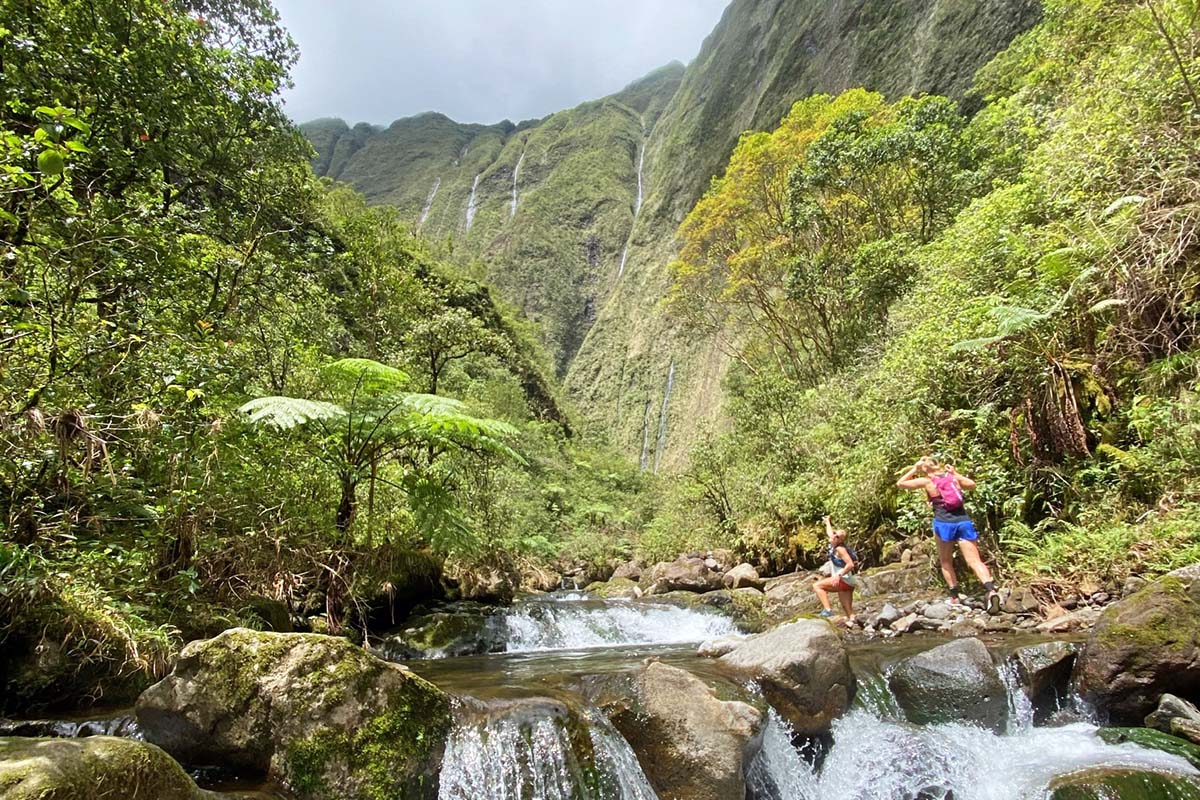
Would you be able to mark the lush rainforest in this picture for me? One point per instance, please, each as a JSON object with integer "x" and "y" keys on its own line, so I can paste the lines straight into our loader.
{"x": 227, "y": 384}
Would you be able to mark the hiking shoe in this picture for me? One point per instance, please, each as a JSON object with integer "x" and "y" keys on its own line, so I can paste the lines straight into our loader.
{"x": 826, "y": 614}
{"x": 956, "y": 602}
{"x": 993, "y": 603}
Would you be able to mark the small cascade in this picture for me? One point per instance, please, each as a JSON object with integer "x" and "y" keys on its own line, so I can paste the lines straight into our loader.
{"x": 516, "y": 176}
{"x": 429, "y": 201}
{"x": 1020, "y": 707}
{"x": 473, "y": 202}
{"x": 539, "y": 750}
{"x": 624, "y": 256}
{"x": 662, "y": 418}
{"x": 547, "y": 625}
{"x": 877, "y": 759}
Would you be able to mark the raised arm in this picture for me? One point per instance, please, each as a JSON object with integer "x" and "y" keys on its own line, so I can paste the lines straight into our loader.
{"x": 828, "y": 526}
{"x": 912, "y": 479}
{"x": 963, "y": 481}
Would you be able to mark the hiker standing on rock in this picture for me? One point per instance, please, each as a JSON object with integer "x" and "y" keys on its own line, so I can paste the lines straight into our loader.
{"x": 944, "y": 488}
{"x": 841, "y": 578}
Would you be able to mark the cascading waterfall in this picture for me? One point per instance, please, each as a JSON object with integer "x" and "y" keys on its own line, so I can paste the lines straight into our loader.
{"x": 583, "y": 623}
{"x": 429, "y": 201}
{"x": 645, "y": 459}
{"x": 473, "y": 202}
{"x": 516, "y": 176}
{"x": 624, "y": 256}
{"x": 662, "y": 418}
{"x": 637, "y": 208}
{"x": 532, "y": 755}
{"x": 876, "y": 755}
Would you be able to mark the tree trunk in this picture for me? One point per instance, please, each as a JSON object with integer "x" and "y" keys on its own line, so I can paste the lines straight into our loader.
{"x": 346, "y": 508}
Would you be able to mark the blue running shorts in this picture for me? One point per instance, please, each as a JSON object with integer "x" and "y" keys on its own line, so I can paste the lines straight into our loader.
{"x": 955, "y": 531}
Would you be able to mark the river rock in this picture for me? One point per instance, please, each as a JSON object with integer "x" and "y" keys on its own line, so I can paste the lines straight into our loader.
{"x": 615, "y": 588}
{"x": 743, "y": 576}
{"x": 967, "y": 627}
{"x": 950, "y": 683}
{"x": 938, "y": 611}
{"x": 791, "y": 595}
{"x": 484, "y": 583}
{"x": 803, "y": 670}
{"x": 887, "y": 615}
{"x": 1071, "y": 621}
{"x": 1177, "y": 717}
{"x": 460, "y": 629}
{"x": 316, "y": 712}
{"x": 725, "y": 559}
{"x": 905, "y": 624}
{"x": 536, "y": 578}
{"x": 1103, "y": 783}
{"x": 1044, "y": 674}
{"x": 631, "y": 570}
{"x": 691, "y": 745}
{"x": 683, "y": 574}
{"x": 895, "y": 579}
{"x": 95, "y": 767}
{"x": 1019, "y": 601}
{"x": 1144, "y": 646}
{"x": 715, "y": 648}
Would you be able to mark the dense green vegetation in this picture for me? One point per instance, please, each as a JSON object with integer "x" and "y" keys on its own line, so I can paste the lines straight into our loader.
{"x": 1017, "y": 291}
{"x": 226, "y": 384}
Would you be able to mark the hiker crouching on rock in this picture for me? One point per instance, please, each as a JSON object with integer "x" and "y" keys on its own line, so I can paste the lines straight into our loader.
{"x": 944, "y": 488}
{"x": 841, "y": 578}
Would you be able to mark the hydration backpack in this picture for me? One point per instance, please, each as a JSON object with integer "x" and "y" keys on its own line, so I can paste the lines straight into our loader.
{"x": 952, "y": 496}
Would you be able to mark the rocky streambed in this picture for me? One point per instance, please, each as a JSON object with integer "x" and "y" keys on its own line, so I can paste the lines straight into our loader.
{"x": 660, "y": 694}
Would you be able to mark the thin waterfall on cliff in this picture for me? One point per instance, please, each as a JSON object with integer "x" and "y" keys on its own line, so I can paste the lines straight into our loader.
{"x": 637, "y": 208}
{"x": 473, "y": 202}
{"x": 516, "y": 176}
{"x": 429, "y": 201}
{"x": 624, "y": 256}
{"x": 662, "y": 418}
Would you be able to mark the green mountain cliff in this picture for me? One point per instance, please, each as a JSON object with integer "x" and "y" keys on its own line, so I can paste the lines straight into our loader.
{"x": 573, "y": 216}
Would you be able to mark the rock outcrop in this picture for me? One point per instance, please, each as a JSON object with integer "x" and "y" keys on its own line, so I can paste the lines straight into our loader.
{"x": 95, "y": 767}
{"x": 691, "y": 745}
{"x": 1177, "y": 717}
{"x": 1144, "y": 646}
{"x": 1044, "y": 673}
{"x": 803, "y": 670}
{"x": 951, "y": 683}
{"x": 686, "y": 573}
{"x": 321, "y": 715}
{"x": 743, "y": 576}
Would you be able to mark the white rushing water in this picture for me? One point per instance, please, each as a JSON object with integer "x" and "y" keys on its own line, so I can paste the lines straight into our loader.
{"x": 532, "y": 757}
{"x": 624, "y": 256}
{"x": 429, "y": 201}
{"x": 473, "y": 202}
{"x": 878, "y": 759}
{"x": 580, "y": 624}
{"x": 637, "y": 208}
{"x": 516, "y": 176}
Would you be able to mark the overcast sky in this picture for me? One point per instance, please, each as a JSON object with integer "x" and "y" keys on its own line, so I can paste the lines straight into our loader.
{"x": 480, "y": 60}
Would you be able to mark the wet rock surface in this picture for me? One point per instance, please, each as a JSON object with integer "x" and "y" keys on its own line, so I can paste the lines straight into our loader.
{"x": 1144, "y": 646}
{"x": 94, "y": 767}
{"x": 952, "y": 682}
{"x": 1177, "y": 717}
{"x": 691, "y": 745}
{"x": 803, "y": 670}
{"x": 1044, "y": 672}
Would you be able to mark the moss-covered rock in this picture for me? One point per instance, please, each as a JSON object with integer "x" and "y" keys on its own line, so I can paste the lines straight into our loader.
{"x": 1143, "y": 646}
{"x": 615, "y": 588}
{"x": 321, "y": 715}
{"x": 463, "y": 629}
{"x": 1104, "y": 784}
{"x": 95, "y": 767}
{"x": 1156, "y": 740}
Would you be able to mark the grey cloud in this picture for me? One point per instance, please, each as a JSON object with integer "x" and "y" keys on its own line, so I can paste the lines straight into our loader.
{"x": 480, "y": 61}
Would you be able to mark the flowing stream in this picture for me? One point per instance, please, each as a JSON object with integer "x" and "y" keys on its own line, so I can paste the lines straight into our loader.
{"x": 525, "y": 730}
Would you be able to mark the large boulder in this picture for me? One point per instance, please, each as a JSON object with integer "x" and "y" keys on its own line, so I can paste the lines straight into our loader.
{"x": 631, "y": 570}
{"x": 895, "y": 579}
{"x": 691, "y": 745}
{"x": 95, "y": 767}
{"x": 685, "y": 573}
{"x": 1144, "y": 646}
{"x": 950, "y": 683}
{"x": 743, "y": 576}
{"x": 615, "y": 589}
{"x": 803, "y": 670}
{"x": 321, "y": 715}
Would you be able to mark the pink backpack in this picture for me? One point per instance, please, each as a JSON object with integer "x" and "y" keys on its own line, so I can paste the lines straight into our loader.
{"x": 952, "y": 496}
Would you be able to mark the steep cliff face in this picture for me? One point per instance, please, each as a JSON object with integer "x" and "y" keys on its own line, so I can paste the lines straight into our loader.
{"x": 637, "y": 376}
{"x": 573, "y": 216}
{"x": 546, "y": 206}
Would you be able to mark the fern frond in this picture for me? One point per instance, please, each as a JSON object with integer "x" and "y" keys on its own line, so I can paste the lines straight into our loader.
{"x": 369, "y": 377}
{"x": 285, "y": 413}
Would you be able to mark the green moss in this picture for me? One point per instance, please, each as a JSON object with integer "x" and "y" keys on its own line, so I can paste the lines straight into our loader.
{"x": 749, "y": 611}
{"x": 1161, "y": 616}
{"x": 1155, "y": 740}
